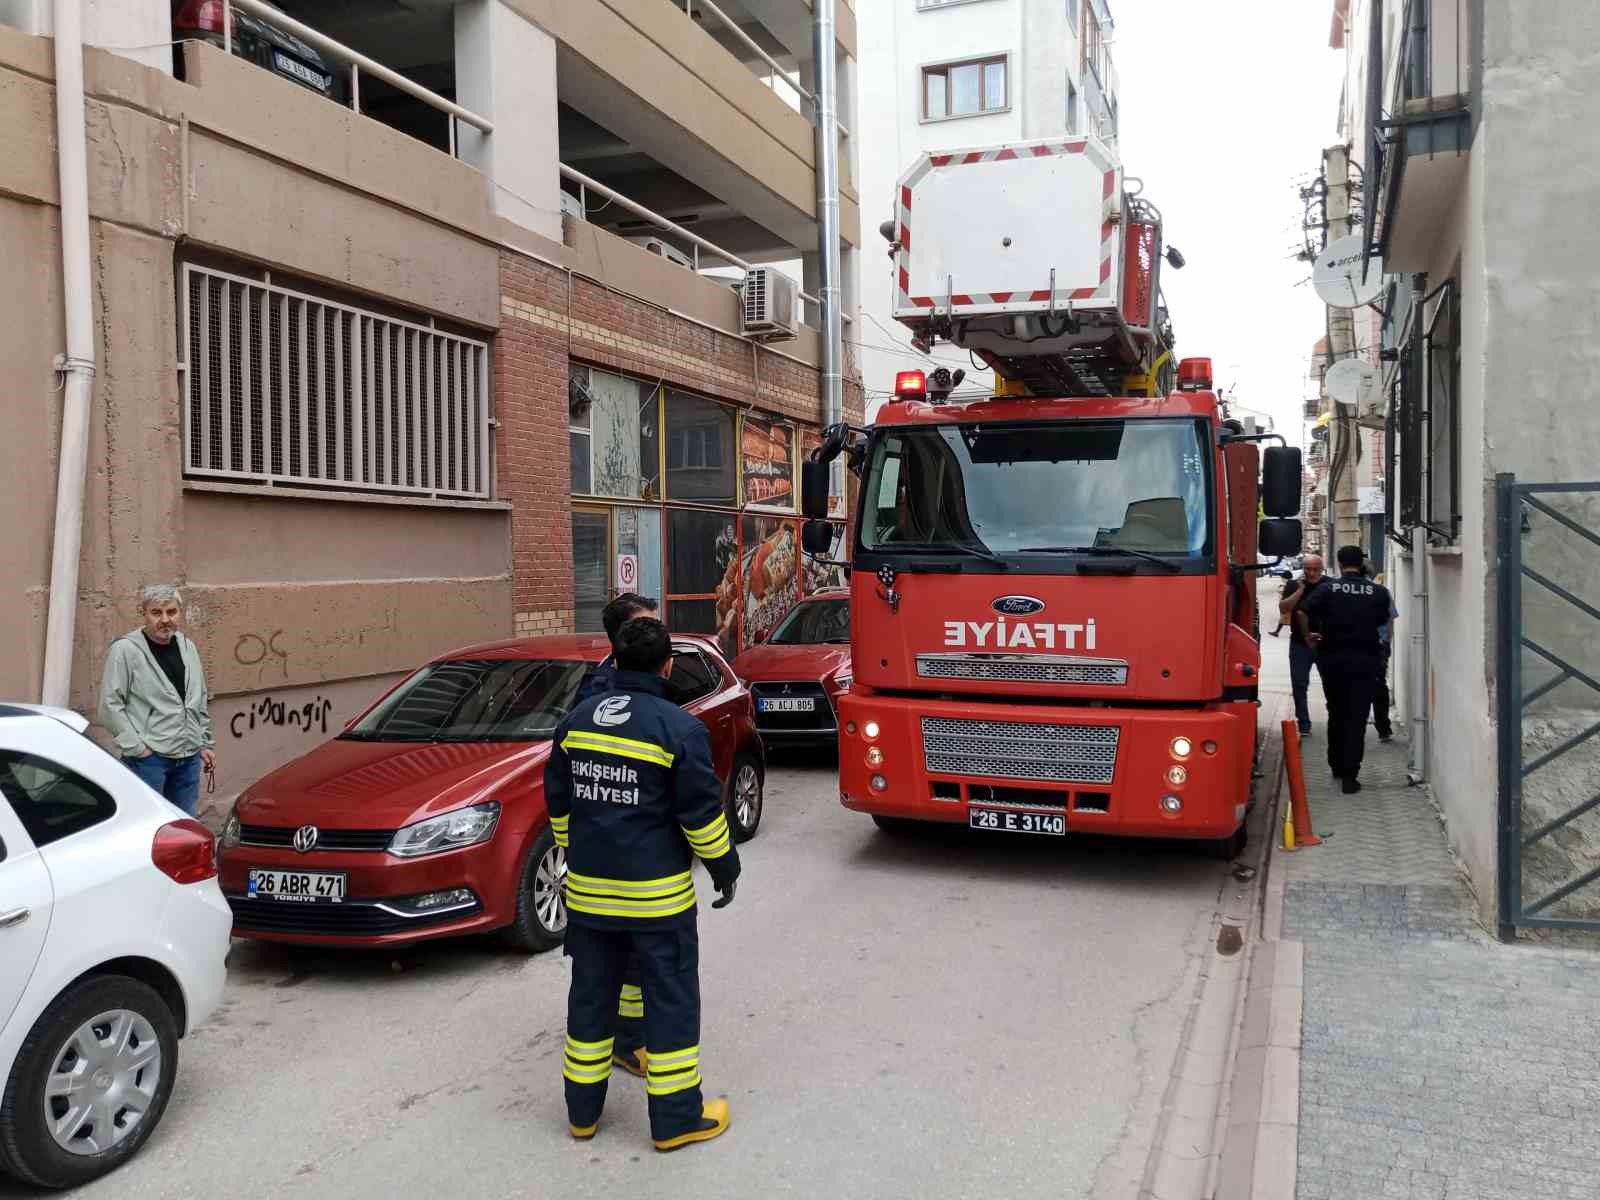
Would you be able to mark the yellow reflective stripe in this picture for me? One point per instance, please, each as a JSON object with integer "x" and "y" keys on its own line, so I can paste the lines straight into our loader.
{"x": 589, "y": 1049}
{"x": 630, "y": 1008}
{"x": 587, "y": 1074}
{"x": 599, "y": 908}
{"x": 673, "y": 1060}
{"x": 666, "y": 885}
{"x": 600, "y": 743}
{"x": 560, "y": 836}
{"x": 710, "y": 840}
{"x": 631, "y": 991}
{"x": 678, "y": 1083}
{"x": 558, "y": 828}
{"x": 561, "y": 822}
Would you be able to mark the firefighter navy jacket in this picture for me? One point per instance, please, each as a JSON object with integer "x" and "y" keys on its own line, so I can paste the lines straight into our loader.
{"x": 634, "y": 797}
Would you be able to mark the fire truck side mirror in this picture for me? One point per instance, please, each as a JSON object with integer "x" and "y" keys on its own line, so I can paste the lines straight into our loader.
{"x": 1280, "y": 538}
{"x": 816, "y": 538}
{"x": 1280, "y": 481}
{"x": 814, "y": 489}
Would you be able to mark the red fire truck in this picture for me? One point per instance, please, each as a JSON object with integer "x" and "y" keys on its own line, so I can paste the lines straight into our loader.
{"x": 1053, "y": 621}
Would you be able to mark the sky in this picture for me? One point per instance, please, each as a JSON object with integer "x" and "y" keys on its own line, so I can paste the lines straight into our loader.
{"x": 1225, "y": 109}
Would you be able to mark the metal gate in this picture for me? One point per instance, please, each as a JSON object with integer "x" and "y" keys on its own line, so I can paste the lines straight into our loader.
{"x": 1547, "y": 636}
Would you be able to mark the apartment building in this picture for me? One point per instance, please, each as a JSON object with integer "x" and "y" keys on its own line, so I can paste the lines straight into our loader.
{"x": 946, "y": 74}
{"x": 413, "y": 328}
{"x": 1460, "y": 116}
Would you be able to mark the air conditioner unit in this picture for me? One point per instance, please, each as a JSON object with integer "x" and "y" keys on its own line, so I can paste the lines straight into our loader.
{"x": 664, "y": 250}
{"x": 771, "y": 305}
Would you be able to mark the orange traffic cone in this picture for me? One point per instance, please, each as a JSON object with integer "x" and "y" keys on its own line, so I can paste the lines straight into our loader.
{"x": 1301, "y": 834}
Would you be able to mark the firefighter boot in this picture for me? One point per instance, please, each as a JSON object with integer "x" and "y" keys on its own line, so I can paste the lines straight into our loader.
{"x": 713, "y": 1123}
{"x": 635, "y": 1061}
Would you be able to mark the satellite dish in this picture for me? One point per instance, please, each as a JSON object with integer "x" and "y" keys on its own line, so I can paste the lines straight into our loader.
{"x": 1350, "y": 379}
{"x": 1337, "y": 275}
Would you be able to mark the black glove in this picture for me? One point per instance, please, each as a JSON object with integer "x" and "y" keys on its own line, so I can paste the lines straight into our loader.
{"x": 726, "y": 893}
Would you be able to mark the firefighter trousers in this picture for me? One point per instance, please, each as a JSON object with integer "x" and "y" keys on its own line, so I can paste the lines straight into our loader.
{"x": 669, "y": 977}
{"x": 630, "y": 1011}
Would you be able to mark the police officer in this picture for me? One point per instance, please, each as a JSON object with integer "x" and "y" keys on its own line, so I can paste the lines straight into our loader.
{"x": 628, "y": 1051}
{"x": 634, "y": 798}
{"x": 1341, "y": 620}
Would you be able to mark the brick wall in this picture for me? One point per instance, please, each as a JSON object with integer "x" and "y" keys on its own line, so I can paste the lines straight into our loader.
{"x": 541, "y": 331}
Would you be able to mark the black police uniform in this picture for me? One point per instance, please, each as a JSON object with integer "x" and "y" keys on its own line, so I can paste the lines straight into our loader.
{"x": 634, "y": 797}
{"x": 597, "y": 681}
{"x": 1348, "y": 612}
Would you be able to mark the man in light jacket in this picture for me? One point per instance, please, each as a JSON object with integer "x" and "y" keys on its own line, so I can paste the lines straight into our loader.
{"x": 153, "y": 700}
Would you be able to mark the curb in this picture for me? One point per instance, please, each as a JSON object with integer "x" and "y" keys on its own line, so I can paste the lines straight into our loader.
{"x": 1261, "y": 1131}
{"x": 1188, "y": 1155}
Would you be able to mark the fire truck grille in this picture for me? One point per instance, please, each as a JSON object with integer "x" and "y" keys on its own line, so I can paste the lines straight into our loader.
{"x": 1020, "y": 750}
{"x": 1016, "y": 668}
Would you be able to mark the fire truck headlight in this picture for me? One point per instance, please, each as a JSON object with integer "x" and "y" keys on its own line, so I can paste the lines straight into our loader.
{"x": 871, "y": 730}
{"x": 879, "y": 783}
{"x": 874, "y": 756}
{"x": 1177, "y": 776}
{"x": 1182, "y": 747}
{"x": 1172, "y": 804}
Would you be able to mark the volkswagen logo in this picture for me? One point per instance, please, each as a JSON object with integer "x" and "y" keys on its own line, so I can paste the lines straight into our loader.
{"x": 1017, "y": 606}
{"x": 305, "y": 839}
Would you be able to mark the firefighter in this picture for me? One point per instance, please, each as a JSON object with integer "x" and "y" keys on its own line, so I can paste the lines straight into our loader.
{"x": 1342, "y": 621}
{"x": 628, "y": 1051}
{"x": 634, "y": 798}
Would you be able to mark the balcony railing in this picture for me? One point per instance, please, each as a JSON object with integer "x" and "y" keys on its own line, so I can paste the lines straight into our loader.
{"x": 356, "y": 61}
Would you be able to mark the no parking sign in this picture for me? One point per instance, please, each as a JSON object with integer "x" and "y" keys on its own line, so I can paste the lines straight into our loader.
{"x": 627, "y": 572}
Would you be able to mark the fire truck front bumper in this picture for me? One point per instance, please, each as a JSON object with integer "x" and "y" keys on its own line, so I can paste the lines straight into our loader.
{"x": 1047, "y": 768}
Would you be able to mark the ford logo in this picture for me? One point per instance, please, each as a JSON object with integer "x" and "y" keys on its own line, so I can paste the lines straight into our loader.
{"x": 1017, "y": 606}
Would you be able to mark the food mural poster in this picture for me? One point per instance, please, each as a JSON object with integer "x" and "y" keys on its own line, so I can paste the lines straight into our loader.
{"x": 770, "y": 558}
{"x": 767, "y": 460}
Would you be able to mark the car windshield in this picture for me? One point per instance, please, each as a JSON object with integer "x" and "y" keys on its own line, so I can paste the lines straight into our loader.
{"x": 814, "y": 622}
{"x": 475, "y": 700}
{"x": 1020, "y": 487}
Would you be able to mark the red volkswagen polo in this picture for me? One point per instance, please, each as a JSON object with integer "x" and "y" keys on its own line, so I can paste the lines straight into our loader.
{"x": 796, "y": 675}
{"x": 425, "y": 818}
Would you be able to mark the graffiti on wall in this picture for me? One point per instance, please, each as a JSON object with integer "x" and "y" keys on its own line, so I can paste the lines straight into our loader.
{"x": 267, "y": 713}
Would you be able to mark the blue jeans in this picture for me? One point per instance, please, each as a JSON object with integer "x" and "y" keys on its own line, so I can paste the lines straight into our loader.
{"x": 1301, "y": 660}
{"x": 178, "y": 779}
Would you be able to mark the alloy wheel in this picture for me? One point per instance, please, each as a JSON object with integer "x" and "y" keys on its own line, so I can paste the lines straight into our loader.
{"x": 550, "y": 890}
{"x": 746, "y": 795}
{"x": 102, "y": 1082}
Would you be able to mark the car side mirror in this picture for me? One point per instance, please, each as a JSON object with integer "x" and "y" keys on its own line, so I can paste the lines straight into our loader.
{"x": 816, "y": 538}
{"x": 814, "y": 482}
{"x": 1280, "y": 481}
{"x": 1280, "y": 538}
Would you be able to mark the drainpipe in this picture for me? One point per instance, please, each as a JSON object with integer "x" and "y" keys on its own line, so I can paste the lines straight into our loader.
{"x": 1417, "y": 758}
{"x": 832, "y": 381}
{"x": 77, "y": 364}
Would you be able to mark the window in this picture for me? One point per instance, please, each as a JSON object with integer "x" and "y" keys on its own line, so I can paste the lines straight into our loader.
{"x": 1444, "y": 417}
{"x": 815, "y": 622}
{"x": 965, "y": 89}
{"x": 700, "y": 450}
{"x": 702, "y": 572}
{"x": 692, "y": 678}
{"x": 613, "y": 430}
{"x": 291, "y": 389}
{"x": 50, "y": 801}
{"x": 614, "y": 549}
{"x": 1072, "y": 106}
{"x": 591, "y": 567}
{"x": 1094, "y": 48}
{"x": 1072, "y": 14}
{"x": 1030, "y": 489}
{"x": 476, "y": 700}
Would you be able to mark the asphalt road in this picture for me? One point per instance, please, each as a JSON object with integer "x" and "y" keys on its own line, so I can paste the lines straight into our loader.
{"x": 965, "y": 1015}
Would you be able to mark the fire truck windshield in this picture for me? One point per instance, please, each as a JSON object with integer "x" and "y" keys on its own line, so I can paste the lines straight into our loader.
{"x": 1032, "y": 487}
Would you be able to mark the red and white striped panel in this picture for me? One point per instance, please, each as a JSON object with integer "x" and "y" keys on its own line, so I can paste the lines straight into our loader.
{"x": 934, "y": 162}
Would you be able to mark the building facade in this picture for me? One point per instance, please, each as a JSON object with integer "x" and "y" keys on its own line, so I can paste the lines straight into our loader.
{"x": 947, "y": 74}
{"x": 374, "y": 378}
{"x": 1460, "y": 115}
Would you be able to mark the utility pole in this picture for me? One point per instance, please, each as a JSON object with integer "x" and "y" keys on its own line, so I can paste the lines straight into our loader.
{"x": 1344, "y": 435}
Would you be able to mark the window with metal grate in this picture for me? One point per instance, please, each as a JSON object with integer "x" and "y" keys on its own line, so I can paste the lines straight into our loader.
{"x": 290, "y": 389}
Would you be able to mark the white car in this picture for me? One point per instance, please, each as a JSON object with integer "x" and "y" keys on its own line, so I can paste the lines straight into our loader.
{"x": 113, "y": 940}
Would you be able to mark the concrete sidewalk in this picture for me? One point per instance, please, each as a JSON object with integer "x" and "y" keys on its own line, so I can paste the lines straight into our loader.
{"x": 1435, "y": 1063}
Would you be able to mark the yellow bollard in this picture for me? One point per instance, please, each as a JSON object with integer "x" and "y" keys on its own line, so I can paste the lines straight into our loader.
{"x": 1288, "y": 828}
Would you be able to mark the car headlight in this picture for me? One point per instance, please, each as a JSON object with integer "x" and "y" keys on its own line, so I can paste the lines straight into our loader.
{"x": 449, "y": 831}
{"x": 843, "y": 682}
{"x": 230, "y": 829}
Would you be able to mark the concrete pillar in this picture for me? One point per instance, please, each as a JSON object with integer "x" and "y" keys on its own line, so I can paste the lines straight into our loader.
{"x": 136, "y": 29}
{"x": 506, "y": 70}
